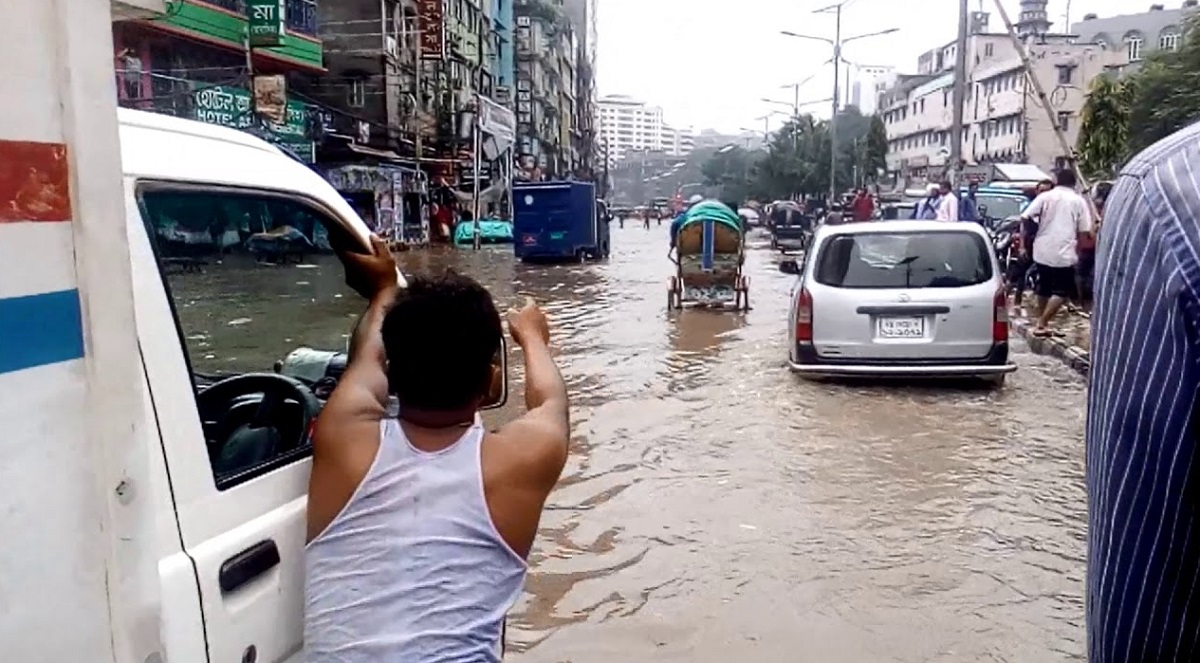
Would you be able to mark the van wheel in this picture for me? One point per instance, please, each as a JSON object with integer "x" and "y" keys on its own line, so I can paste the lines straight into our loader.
{"x": 997, "y": 381}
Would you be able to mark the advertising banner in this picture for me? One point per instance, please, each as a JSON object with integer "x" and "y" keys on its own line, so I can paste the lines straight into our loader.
{"x": 431, "y": 23}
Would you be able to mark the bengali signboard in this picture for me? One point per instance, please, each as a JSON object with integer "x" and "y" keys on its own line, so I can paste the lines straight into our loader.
{"x": 431, "y": 24}
{"x": 266, "y": 25}
{"x": 232, "y": 107}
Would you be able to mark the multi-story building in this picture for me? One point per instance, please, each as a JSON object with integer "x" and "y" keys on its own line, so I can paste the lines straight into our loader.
{"x": 586, "y": 135}
{"x": 629, "y": 125}
{"x": 192, "y": 62}
{"x": 504, "y": 64}
{"x": 407, "y": 71}
{"x": 867, "y": 83}
{"x": 546, "y": 87}
{"x": 1137, "y": 35}
{"x": 1004, "y": 121}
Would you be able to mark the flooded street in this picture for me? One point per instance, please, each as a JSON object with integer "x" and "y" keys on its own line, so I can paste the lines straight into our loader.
{"x": 717, "y": 508}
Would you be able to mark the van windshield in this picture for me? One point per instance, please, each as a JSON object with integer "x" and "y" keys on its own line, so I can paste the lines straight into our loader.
{"x": 928, "y": 259}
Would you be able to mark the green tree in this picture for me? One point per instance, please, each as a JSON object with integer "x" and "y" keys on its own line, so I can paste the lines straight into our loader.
{"x": 875, "y": 158}
{"x": 1103, "y": 143}
{"x": 1164, "y": 93}
{"x": 734, "y": 171}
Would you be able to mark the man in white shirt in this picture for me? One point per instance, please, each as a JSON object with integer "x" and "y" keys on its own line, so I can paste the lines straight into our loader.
{"x": 1062, "y": 216}
{"x": 947, "y": 209}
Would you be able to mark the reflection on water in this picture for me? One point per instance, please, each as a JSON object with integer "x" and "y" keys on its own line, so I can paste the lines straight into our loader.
{"x": 263, "y": 312}
{"x": 715, "y": 508}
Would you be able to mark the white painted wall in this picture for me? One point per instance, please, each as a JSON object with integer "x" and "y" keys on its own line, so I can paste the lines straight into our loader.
{"x": 78, "y": 574}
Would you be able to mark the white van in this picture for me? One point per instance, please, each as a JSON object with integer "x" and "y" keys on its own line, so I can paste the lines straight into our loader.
{"x": 231, "y": 465}
{"x": 241, "y": 311}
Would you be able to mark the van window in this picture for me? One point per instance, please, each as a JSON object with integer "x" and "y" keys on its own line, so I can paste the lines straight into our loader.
{"x": 933, "y": 259}
{"x": 251, "y": 278}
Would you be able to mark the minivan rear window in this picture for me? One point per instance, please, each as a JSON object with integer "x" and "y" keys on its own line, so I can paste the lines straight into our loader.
{"x": 927, "y": 259}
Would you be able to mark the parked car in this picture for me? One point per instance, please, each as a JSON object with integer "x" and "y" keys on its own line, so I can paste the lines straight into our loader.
{"x": 899, "y": 298}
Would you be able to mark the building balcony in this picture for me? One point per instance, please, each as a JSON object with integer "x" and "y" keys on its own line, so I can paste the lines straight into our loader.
{"x": 223, "y": 22}
{"x": 299, "y": 16}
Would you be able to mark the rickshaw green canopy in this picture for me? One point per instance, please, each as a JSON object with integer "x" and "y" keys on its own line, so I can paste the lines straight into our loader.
{"x": 712, "y": 210}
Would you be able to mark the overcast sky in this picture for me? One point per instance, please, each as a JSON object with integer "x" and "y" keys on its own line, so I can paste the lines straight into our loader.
{"x": 709, "y": 63}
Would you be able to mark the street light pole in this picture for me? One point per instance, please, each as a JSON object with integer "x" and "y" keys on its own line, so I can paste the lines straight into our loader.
{"x": 960, "y": 97}
{"x": 837, "y": 43}
{"x": 837, "y": 99}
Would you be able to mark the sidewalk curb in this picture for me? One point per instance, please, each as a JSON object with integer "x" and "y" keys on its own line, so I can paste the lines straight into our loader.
{"x": 1078, "y": 359}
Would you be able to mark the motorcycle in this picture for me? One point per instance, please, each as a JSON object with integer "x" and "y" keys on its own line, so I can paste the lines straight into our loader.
{"x": 1006, "y": 241}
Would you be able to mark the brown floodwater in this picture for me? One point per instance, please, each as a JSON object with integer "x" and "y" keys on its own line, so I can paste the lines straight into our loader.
{"x": 717, "y": 508}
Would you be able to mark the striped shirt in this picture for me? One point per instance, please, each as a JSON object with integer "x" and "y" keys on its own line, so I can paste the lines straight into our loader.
{"x": 1143, "y": 596}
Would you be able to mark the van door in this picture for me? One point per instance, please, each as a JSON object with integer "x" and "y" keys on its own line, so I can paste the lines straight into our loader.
{"x": 246, "y": 279}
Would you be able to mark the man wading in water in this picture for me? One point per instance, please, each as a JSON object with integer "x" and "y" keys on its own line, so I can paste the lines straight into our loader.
{"x": 419, "y": 527}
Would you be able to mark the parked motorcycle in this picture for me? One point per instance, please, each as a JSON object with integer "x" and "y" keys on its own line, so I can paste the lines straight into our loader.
{"x": 1006, "y": 241}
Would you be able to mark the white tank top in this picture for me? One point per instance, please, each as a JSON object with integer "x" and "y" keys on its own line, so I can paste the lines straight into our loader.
{"x": 412, "y": 570}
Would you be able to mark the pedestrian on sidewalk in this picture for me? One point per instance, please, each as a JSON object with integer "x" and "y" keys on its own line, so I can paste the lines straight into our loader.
{"x": 968, "y": 207}
{"x": 1062, "y": 217}
{"x": 947, "y": 206}
{"x": 1143, "y": 573}
{"x": 927, "y": 208}
{"x": 420, "y": 523}
{"x": 863, "y": 205}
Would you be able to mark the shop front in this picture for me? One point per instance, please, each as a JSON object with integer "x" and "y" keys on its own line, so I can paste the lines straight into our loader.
{"x": 391, "y": 199}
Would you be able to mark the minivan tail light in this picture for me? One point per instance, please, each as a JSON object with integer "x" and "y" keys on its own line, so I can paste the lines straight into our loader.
{"x": 804, "y": 317}
{"x": 1000, "y": 317}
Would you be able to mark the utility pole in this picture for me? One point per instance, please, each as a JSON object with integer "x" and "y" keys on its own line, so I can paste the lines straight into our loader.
{"x": 837, "y": 103}
{"x": 954, "y": 172}
{"x": 837, "y": 43}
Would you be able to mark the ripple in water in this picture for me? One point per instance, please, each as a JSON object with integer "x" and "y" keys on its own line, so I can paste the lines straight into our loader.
{"x": 715, "y": 507}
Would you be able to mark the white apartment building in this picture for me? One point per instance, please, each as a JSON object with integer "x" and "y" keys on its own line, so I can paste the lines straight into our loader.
{"x": 1004, "y": 121}
{"x": 629, "y": 125}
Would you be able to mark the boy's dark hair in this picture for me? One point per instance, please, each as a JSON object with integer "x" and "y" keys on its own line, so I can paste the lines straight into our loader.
{"x": 1065, "y": 177}
{"x": 441, "y": 336}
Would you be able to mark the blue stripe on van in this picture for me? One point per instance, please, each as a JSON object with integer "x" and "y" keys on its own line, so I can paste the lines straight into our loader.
{"x": 37, "y": 330}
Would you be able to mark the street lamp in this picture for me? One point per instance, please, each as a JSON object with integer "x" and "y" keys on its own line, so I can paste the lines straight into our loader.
{"x": 795, "y": 107}
{"x": 795, "y": 87}
{"x": 837, "y": 43}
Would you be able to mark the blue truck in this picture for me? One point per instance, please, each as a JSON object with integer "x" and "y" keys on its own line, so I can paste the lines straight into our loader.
{"x": 558, "y": 221}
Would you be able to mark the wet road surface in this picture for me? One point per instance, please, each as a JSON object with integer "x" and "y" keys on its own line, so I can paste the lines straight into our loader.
{"x": 715, "y": 508}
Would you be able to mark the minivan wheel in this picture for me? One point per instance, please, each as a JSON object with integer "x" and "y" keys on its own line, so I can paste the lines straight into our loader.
{"x": 996, "y": 381}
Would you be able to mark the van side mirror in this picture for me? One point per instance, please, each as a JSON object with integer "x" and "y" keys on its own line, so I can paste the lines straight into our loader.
{"x": 790, "y": 267}
{"x": 498, "y": 393}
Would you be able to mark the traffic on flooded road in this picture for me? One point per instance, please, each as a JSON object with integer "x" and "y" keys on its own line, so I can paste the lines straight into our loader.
{"x": 717, "y": 506}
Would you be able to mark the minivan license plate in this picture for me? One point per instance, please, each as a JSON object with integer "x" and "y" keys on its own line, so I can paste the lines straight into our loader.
{"x": 908, "y": 327}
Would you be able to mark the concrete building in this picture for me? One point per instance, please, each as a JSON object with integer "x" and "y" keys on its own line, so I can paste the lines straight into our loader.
{"x": 867, "y": 83}
{"x": 191, "y": 62}
{"x": 629, "y": 125}
{"x": 586, "y": 135}
{"x": 547, "y": 50}
{"x": 1003, "y": 121}
{"x": 1137, "y": 35}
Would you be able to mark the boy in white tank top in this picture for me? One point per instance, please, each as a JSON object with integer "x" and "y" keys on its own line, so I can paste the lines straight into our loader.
{"x": 419, "y": 527}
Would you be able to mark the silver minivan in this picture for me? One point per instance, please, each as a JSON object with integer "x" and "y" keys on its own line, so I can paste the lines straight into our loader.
{"x": 899, "y": 298}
